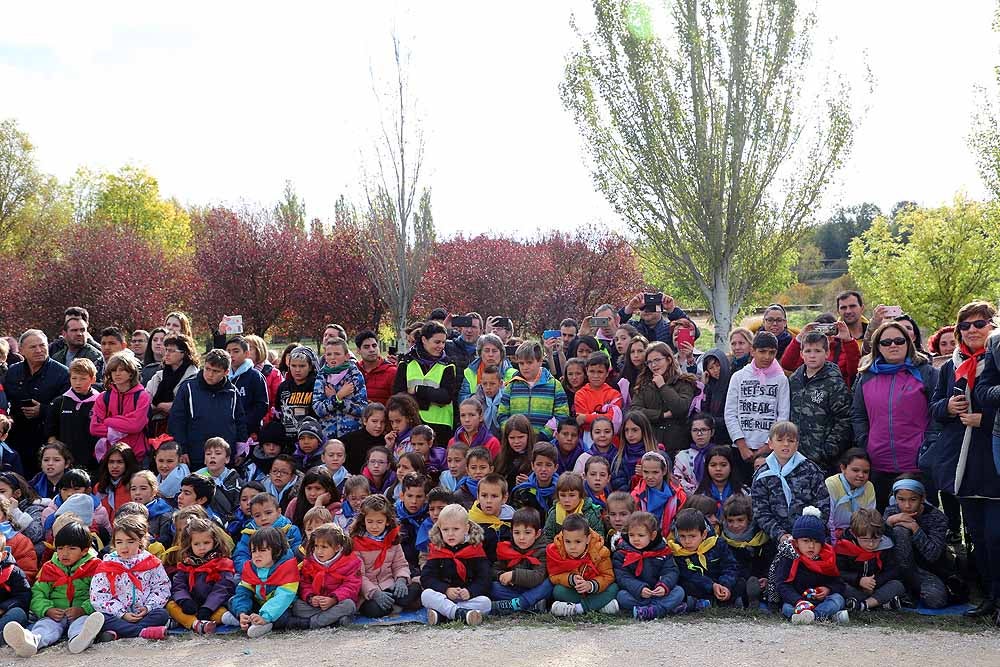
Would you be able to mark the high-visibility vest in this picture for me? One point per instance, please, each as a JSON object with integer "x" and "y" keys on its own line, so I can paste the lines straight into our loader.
{"x": 434, "y": 414}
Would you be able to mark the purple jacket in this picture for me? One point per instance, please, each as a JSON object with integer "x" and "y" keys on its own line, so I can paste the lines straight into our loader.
{"x": 211, "y": 595}
{"x": 890, "y": 414}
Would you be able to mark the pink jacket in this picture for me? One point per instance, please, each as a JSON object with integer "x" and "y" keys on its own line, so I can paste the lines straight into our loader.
{"x": 126, "y": 413}
{"x": 340, "y": 579}
{"x": 383, "y": 578}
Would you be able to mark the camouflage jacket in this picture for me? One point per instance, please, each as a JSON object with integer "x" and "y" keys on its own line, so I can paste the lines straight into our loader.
{"x": 821, "y": 408}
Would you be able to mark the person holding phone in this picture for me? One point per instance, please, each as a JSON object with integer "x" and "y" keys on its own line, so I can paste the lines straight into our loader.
{"x": 31, "y": 386}
{"x": 847, "y": 357}
{"x": 645, "y": 312}
{"x": 462, "y": 349}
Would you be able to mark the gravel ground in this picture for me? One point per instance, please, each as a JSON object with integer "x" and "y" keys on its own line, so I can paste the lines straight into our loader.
{"x": 555, "y": 645}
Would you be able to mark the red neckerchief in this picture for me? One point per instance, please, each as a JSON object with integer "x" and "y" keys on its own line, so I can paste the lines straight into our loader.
{"x": 382, "y": 546}
{"x": 325, "y": 577}
{"x": 639, "y": 557}
{"x": 559, "y": 564}
{"x": 435, "y": 552}
{"x": 114, "y": 569}
{"x": 848, "y": 548}
{"x": 967, "y": 369}
{"x": 285, "y": 573}
{"x": 5, "y": 576}
{"x": 52, "y": 573}
{"x": 212, "y": 570}
{"x": 826, "y": 564}
{"x": 506, "y": 551}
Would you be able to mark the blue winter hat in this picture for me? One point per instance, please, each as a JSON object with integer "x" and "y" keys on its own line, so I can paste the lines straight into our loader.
{"x": 809, "y": 525}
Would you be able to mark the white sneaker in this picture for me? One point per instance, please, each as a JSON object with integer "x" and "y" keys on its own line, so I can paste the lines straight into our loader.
{"x": 473, "y": 617}
{"x": 24, "y": 643}
{"x": 841, "y": 617}
{"x": 432, "y": 617}
{"x": 563, "y": 609}
{"x": 803, "y": 617}
{"x": 91, "y": 628}
{"x": 255, "y": 630}
{"x": 610, "y": 608}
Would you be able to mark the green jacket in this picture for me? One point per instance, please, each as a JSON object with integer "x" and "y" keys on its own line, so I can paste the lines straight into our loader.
{"x": 45, "y": 595}
{"x": 590, "y": 512}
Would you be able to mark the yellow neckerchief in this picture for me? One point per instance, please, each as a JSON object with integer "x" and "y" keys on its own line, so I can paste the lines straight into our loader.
{"x": 706, "y": 545}
{"x": 165, "y": 557}
{"x": 757, "y": 540}
{"x": 477, "y": 515}
{"x": 561, "y": 513}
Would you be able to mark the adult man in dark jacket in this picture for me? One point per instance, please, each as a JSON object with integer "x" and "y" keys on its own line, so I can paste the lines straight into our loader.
{"x": 76, "y": 345}
{"x": 30, "y": 386}
{"x": 651, "y": 323}
{"x": 207, "y": 406}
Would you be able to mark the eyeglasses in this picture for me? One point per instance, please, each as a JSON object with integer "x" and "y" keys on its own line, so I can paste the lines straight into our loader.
{"x": 979, "y": 324}
{"x": 701, "y": 430}
{"x": 656, "y": 360}
{"x": 774, "y": 320}
{"x": 886, "y": 342}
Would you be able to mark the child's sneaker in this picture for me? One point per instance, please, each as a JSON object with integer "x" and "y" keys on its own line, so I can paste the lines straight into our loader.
{"x": 697, "y": 604}
{"x": 154, "y": 632}
{"x": 841, "y": 617}
{"x": 229, "y": 619}
{"x": 106, "y": 636}
{"x": 563, "y": 609}
{"x": 610, "y": 608}
{"x": 853, "y": 604}
{"x": 804, "y": 617}
{"x": 469, "y": 616}
{"x": 204, "y": 627}
{"x": 432, "y": 617}
{"x": 681, "y": 608}
{"x": 24, "y": 643}
{"x": 503, "y": 607}
{"x": 255, "y": 630}
{"x": 541, "y": 607}
{"x": 88, "y": 633}
{"x": 647, "y": 613}
{"x": 895, "y": 604}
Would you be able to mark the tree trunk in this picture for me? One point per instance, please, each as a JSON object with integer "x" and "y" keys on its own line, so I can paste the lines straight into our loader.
{"x": 723, "y": 309}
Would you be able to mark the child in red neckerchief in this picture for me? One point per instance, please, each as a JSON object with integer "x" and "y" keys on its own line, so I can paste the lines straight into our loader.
{"x": 456, "y": 577}
{"x": 580, "y": 570}
{"x": 205, "y": 577}
{"x": 386, "y": 582}
{"x": 521, "y": 580}
{"x": 867, "y": 564}
{"x": 646, "y": 571}
{"x": 809, "y": 584}
{"x": 329, "y": 582}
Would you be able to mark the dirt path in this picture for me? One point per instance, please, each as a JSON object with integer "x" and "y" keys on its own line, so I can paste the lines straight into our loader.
{"x": 688, "y": 643}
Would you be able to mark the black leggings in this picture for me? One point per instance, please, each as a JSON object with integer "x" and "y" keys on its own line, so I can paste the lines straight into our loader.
{"x": 409, "y": 602}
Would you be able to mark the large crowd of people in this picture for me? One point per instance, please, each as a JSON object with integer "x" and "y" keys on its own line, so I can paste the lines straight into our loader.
{"x": 148, "y": 483}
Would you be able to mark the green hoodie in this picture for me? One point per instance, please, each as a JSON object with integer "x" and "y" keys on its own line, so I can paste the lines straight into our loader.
{"x": 45, "y": 594}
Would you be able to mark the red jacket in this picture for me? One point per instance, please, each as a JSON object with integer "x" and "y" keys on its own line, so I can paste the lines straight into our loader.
{"x": 271, "y": 381}
{"x": 846, "y": 354}
{"x": 23, "y": 552}
{"x": 340, "y": 579}
{"x": 378, "y": 381}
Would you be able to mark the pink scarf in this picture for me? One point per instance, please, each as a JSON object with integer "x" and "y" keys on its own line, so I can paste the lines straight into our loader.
{"x": 80, "y": 402}
{"x": 765, "y": 374}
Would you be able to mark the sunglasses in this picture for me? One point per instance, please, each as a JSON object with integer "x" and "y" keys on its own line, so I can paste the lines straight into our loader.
{"x": 979, "y": 324}
{"x": 886, "y": 342}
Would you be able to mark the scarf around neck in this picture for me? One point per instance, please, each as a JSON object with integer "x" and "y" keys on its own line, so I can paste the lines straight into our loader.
{"x": 848, "y": 548}
{"x": 458, "y": 558}
{"x": 170, "y": 378}
{"x": 881, "y": 367}
{"x": 850, "y": 495}
{"x": 542, "y": 495}
{"x": 699, "y": 552}
{"x": 638, "y": 557}
{"x": 557, "y": 563}
{"x": 80, "y": 402}
{"x": 773, "y": 469}
{"x": 113, "y": 569}
{"x": 765, "y": 374}
{"x": 213, "y": 570}
{"x": 477, "y": 515}
{"x": 381, "y": 545}
{"x": 561, "y": 512}
{"x": 55, "y": 575}
{"x": 825, "y": 565}
{"x": 968, "y": 365}
{"x": 509, "y": 553}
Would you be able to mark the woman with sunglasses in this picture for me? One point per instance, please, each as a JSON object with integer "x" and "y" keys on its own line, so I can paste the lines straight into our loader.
{"x": 891, "y": 409}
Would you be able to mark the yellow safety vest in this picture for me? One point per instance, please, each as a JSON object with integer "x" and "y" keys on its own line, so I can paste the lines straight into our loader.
{"x": 435, "y": 414}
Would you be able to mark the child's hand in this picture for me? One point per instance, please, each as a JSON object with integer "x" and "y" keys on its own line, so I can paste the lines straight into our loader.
{"x": 464, "y": 593}
{"x": 521, "y": 479}
{"x": 130, "y": 617}
{"x": 257, "y": 619}
{"x": 314, "y": 601}
{"x": 74, "y": 613}
{"x": 244, "y": 621}
{"x": 322, "y": 500}
{"x": 345, "y": 391}
{"x": 329, "y": 391}
{"x": 721, "y": 592}
{"x": 580, "y": 419}
{"x": 582, "y": 586}
{"x": 506, "y": 577}
{"x": 453, "y": 593}
{"x": 56, "y": 614}
{"x": 821, "y": 593}
{"x": 646, "y": 592}
{"x": 320, "y": 600}
{"x": 867, "y": 584}
{"x": 141, "y": 611}
{"x": 390, "y": 439}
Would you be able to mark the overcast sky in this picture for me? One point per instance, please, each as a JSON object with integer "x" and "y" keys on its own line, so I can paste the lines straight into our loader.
{"x": 225, "y": 101}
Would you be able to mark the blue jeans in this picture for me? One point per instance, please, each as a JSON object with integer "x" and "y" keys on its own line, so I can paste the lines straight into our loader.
{"x": 529, "y": 596}
{"x": 11, "y": 615}
{"x": 127, "y": 630}
{"x": 831, "y": 605}
{"x": 664, "y": 605}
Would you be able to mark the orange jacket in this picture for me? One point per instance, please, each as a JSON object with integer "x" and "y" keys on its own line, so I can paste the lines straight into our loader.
{"x": 599, "y": 554}
{"x": 589, "y": 401}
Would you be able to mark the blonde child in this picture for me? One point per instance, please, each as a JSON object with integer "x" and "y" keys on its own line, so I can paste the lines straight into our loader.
{"x": 205, "y": 577}
{"x": 329, "y": 581}
{"x": 334, "y": 456}
{"x": 145, "y": 491}
{"x": 269, "y": 582}
{"x": 375, "y": 535}
{"x": 130, "y": 586}
{"x": 456, "y": 577}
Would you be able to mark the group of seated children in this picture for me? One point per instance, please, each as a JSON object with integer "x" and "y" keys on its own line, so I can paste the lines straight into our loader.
{"x": 609, "y": 528}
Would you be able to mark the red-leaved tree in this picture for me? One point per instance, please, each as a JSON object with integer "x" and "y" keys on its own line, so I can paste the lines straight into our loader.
{"x": 248, "y": 264}
{"x": 118, "y": 276}
{"x": 14, "y": 295}
{"x": 537, "y": 282}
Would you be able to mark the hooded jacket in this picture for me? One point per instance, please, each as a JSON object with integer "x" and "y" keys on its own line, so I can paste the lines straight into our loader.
{"x": 440, "y": 574}
{"x": 126, "y": 413}
{"x": 884, "y": 568}
{"x": 541, "y": 403}
{"x": 821, "y": 408}
{"x": 153, "y": 594}
{"x": 599, "y": 555}
{"x": 241, "y": 554}
{"x": 714, "y": 402}
{"x": 713, "y": 563}
{"x": 771, "y": 510}
{"x": 202, "y": 411}
{"x": 275, "y": 597}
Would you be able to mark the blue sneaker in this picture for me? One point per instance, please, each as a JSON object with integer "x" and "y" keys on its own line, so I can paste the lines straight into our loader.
{"x": 647, "y": 613}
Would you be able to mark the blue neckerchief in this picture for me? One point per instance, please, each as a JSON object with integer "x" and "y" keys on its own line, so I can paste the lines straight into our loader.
{"x": 544, "y": 496}
{"x": 773, "y": 469}
{"x": 850, "y": 495}
{"x": 424, "y": 534}
{"x": 244, "y": 367}
{"x": 471, "y": 485}
{"x": 603, "y": 504}
{"x": 339, "y": 476}
{"x": 346, "y": 509}
{"x": 880, "y": 367}
{"x": 566, "y": 462}
{"x": 158, "y": 507}
{"x": 40, "y": 483}
{"x": 406, "y": 517}
{"x": 377, "y": 538}
{"x": 448, "y": 481}
{"x": 657, "y": 499}
{"x": 270, "y": 488}
{"x": 720, "y": 497}
{"x": 7, "y": 530}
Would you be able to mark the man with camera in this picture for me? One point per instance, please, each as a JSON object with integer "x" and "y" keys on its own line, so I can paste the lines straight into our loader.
{"x": 837, "y": 332}
{"x": 462, "y": 349}
{"x": 651, "y": 307}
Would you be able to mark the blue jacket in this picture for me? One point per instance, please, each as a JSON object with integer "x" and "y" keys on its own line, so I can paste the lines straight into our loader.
{"x": 252, "y": 391}
{"x": 719, "y": 567}
{"x": 242, "y": 552}
{"x": 51, "y": 380}
{"x": 655, "y": 569}
{"x": 200, "y": 412}
{"x": 278, "y": 598}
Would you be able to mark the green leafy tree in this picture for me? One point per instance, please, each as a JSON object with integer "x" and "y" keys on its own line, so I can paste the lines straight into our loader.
{"x": 834, "y": 235}
{"x": 291, "y": 211}
{"x": 698, "y": 140}
{"x": 19, "y": 177}
{"x": 930, "y": 261}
